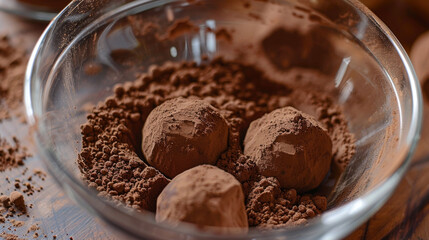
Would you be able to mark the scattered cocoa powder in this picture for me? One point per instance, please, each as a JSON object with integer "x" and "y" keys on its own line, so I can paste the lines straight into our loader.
{"x": 112, "y": 162}
{"x": 8, "y": 236}
{"x": 13, "y": 63}
{"x": 10, "y": 204}
{"x": 33, "y": 228}
{"x": 16, "y": 223}
{"x": 39, "y": 173}
{"x": 12, "y": 155}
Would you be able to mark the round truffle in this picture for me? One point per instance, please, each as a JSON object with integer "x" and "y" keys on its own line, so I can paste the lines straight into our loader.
{"x": 183, "y": 133}
{"x": 291, "y": 146}
{"x": 206, "y": 196}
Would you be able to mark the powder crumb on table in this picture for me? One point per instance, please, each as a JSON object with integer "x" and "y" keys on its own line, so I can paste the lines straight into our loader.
{"x": 13, "y": 152}
{"x": 12, "y": 155}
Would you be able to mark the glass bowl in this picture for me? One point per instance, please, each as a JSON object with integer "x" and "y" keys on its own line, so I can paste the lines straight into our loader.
{"x": 369, "y": 76}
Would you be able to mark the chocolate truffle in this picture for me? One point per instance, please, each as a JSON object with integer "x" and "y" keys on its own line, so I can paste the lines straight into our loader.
{"x": 291, "y": 146}
{"x": 206, "y": 196}
{"x": 183, "y": 133}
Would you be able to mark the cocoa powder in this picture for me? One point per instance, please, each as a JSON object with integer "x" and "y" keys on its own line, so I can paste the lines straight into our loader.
{"x": 112, "y": 162}
{"x": 12, "y": 155}
{"x": 109, "y": 155}
{"x": 13, "y": 63}
{"x": 13, "y": 152}
{"x": 270, "y": 206}
{"x": 8, "y": 236}
{"x": 17, "y": 199}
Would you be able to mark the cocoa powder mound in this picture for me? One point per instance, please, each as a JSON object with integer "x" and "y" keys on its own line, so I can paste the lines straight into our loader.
{"x": 270, "y": 206}
{"x": 13, "y": 63}
{"x": 109, "y": 158}
{"x": 112, "y": 162}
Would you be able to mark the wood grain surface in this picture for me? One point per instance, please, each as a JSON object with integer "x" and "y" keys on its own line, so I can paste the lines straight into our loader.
{"x": 404, "y": 216}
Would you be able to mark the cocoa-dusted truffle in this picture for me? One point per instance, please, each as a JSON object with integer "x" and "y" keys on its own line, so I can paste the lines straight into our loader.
{"x": 206, "y": 196}
{"x": 291, "y": 146}
{"x": 183, "y": 133}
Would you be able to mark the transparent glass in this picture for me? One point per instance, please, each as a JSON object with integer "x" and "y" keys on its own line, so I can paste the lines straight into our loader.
{"x": 368, "y": 74}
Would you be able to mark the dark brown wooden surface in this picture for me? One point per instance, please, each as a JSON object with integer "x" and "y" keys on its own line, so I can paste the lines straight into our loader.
{"x": 405, "y": 216}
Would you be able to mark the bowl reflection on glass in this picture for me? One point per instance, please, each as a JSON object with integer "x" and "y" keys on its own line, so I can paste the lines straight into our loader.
{"x": 93, "y": 45}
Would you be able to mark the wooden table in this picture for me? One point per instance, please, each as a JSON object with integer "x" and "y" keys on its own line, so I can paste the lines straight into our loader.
{"x": 405, "y": 216}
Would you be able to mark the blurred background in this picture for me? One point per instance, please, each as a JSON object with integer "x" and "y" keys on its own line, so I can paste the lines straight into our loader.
{"x": 408, "y": 19}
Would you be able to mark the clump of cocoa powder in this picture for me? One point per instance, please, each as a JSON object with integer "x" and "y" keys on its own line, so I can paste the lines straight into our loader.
{"x": 270, "y": 206}
{"x": 111, "y": 160}
{"x": 13, "y": 204}
{"x": 12, "y": 155}
{"x": 109, "y": 155}
{"x": 17, "y": 199}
